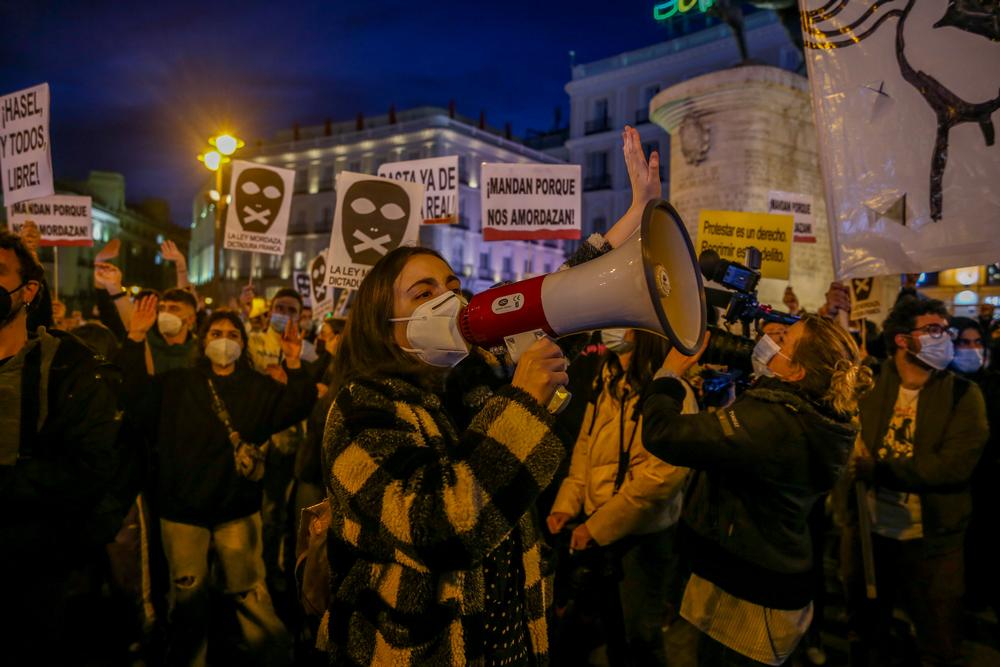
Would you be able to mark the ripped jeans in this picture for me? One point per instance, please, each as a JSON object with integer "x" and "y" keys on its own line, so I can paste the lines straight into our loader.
{"x": 238, "y": 548}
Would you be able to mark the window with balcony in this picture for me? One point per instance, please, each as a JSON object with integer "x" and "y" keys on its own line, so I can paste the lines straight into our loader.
{"x": 326, "y": 177}
{"x": 599, "y": 119}
{"x": 508, "y": 268}
{"x": 648, "y": 93}
{"x": 301, "y": 180}
{"x": 597, "y": 176}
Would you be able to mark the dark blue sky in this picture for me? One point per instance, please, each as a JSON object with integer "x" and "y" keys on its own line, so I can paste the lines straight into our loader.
{"x": 137, "y": 87}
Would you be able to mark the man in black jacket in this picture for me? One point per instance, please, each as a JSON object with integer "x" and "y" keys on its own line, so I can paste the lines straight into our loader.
{"x": 58, "y": 427}
{"x": 923, "y": 430}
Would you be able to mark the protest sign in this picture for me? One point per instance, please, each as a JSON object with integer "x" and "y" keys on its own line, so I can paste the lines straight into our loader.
{"x": 62, "y": 220}
{"x": 257, "y": 219}
{"x": 730, "y": 233}
{"x": 303, "y": 286}
{"x": 530, "y": 201}
{"x": 905, "y": 131}
{"x": 439, "y": 176}
{"x": 801, "y": 209}
{"x": 321, "y": 296}
{"x": 25, "y": 158}
{"x": 867, "y": 299}
{"x": 373, "y": 216}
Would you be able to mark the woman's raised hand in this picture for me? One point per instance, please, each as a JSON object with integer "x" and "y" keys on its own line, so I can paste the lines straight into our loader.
{"x": 644, "y": 176}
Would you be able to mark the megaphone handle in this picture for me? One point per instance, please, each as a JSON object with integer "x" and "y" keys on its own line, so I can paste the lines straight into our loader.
{"x": 559, "y": 400}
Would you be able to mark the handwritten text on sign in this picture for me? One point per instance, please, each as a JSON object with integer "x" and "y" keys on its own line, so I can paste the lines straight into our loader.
{"x": 530, "y": 201}
{"x": 439, "y": 177}
{"x": 25, "y": 160}
{"x": 61, "y": 219}
{"x": 730, "y": 233}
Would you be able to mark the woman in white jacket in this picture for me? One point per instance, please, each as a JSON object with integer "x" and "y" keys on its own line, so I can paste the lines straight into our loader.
{"x": 625, "y": 496}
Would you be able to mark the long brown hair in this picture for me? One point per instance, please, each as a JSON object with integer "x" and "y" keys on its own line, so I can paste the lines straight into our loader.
{"x": 832, "y": 362}
{"x": 368, "y": 347}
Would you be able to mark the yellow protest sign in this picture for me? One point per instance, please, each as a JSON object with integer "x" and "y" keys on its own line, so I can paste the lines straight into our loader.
{"x": 730, "y": 233}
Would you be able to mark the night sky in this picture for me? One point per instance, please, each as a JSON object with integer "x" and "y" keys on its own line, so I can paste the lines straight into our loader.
{"x": 138, "y": 87}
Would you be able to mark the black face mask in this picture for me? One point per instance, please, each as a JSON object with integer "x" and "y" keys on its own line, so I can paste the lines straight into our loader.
{"x": 7, "y": 311}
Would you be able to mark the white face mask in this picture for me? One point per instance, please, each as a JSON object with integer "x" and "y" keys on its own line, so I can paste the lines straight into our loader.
{"x": 614, "y": 340}
{"x": 433, "y": 331}
{"x": 169, "y": 324}
{"x": 765, "y": 350}
{"x": 223, "y": 351}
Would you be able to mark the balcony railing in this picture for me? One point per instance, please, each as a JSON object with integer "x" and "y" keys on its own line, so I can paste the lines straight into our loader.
{"x": 597, "y": 125}
{"x": 598, "y": 182}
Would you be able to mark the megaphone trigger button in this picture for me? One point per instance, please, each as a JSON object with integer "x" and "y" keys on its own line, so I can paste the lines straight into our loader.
{"x": 662, "y": 281}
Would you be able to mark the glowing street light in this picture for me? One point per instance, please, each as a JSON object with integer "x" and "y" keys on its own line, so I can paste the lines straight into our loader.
{"x": 226, "y": 144}
{"x": 223, "y": 145}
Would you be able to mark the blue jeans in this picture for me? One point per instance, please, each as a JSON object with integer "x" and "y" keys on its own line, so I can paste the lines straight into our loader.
{"x": 238, "y": 548}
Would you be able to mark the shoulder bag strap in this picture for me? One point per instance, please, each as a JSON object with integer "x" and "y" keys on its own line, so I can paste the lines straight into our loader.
{"x": 220, "y": 411}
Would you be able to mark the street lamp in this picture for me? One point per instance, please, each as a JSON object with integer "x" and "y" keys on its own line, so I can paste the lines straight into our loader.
{"x": 223, "y": 145}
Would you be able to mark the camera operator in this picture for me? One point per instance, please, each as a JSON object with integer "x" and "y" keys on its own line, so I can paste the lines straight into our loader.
{"x": 759, "y": 466}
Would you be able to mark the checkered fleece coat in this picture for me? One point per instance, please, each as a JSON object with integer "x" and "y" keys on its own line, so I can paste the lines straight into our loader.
{"x": 416, "y": 507}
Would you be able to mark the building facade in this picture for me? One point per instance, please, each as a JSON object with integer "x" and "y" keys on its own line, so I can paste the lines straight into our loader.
{"x": 605, "y": 95}
{"x": 319, "y": 153}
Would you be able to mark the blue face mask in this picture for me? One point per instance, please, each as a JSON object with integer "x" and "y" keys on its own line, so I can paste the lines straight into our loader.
{"x": 968, "y": 360}
{"x": 936, "y": 353}
{"x": 279, "y": 322}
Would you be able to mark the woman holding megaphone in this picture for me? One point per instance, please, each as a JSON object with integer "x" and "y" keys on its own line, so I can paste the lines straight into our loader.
{"x": 759, "y": 466}
{"x": 435, "y": 555}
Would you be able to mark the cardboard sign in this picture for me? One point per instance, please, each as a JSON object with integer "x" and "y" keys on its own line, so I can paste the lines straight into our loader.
{"x": 257, "y": 219}
{"x": 530, "y": 201}
{"x": 63, "y": 220}
{"x": 300, "y": 279}
{"x": 373, "y": 216}
{"x": 730, "y": 233}
{"x": 320, "y": 295}
{"x": 801, "y": 209}
{"x": 25, "y": 156}
{"x": 866, "y": 299}
{"x": 906, "y": 131}
{"x": 439, "y": 176}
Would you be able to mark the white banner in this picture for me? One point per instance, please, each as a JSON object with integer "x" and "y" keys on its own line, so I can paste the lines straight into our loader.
{"x": 373, "y": 216}
{"x": 321, "y": 295}
{"x": 800, "y": 207}
{"x": 906, "y": 102}
{"x": 530, "y": 201}
{"x": 257, "y": 216}
{"x": 63, "y": 220}
{"x": 439, "y": 176}
{"x": 25, "y": 156}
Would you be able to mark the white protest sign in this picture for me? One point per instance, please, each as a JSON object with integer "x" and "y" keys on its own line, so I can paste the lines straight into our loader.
{"x": 25, "y": 158}
{"x": 321, "y": 295}
{"x": 906, "y": 104}
{"x": 300, "y": 279}
{"x": 867, "y": 299}
{"x": 62, "y": 220}
{"x": 439, "y": 176}
{"x": 530, "y": 201}
{"x": 257, "y": 219}
{"x": 373, "y": 216}
{"x": 800, "y": 207}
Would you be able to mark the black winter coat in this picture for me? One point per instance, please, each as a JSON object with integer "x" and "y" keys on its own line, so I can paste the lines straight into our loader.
{"x": 761, "y": 464}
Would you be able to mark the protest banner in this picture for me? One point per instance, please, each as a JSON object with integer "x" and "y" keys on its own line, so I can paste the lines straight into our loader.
{"x": 300, "y": 279}
{"x": 530, "y": 201}
{"x": 439, "y": 176}
{"x": 373, "y": 216}
{"x": 257, "y": 217}
{"x": 905, "y": 131}
{"x": 321, "y": 295}
{"x": 62, "y": 220}
{"x": 730, "y": 233}
{"x": 800, "y": 207}
{"x": 25, "y": 156}
{"x": 867, "y": 299}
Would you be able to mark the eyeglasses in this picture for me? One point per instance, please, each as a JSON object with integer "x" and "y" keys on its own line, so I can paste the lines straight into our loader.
{"x": 936, "y": 331}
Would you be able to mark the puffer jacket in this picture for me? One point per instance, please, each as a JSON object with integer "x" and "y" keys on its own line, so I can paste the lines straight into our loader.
{"x": 761, "y": 464}
{"x": 649, "y": 498}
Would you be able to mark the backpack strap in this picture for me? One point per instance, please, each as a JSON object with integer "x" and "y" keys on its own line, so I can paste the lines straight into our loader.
{"x": 31, "y": 382}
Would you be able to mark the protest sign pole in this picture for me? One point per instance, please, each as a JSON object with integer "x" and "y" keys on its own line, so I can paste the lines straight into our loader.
{"x": 55, "y": 270}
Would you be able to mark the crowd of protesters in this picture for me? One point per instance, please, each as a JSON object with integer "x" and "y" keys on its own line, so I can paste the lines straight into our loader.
{"x": 162, "y": 465}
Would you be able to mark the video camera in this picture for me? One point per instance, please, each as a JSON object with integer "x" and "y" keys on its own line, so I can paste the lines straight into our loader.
{"x": 740, "y": 304}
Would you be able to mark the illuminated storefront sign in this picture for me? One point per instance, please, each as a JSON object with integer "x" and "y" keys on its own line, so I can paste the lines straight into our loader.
{"x": 665, "y": 10}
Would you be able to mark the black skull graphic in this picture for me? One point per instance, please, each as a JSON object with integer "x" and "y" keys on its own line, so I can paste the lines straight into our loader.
{"x": 375, "y": 215}
{"x": 258, "y": 199}
{"x": 317, "y": 273}
{"x": 302, "y": 284}
{"x": 862, "y": 288}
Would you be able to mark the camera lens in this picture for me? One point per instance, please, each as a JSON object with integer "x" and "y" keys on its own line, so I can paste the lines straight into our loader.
{"x": 726, "y": 349}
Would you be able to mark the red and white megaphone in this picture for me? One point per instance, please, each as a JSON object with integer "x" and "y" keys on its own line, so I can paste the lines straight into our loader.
{"x": 652, "y": 282}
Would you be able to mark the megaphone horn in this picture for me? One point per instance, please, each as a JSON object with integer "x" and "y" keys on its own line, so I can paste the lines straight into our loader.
{"x": 652, "y": 282}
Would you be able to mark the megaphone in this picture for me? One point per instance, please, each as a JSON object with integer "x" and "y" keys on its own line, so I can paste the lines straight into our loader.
{"x": 652, "y": 282}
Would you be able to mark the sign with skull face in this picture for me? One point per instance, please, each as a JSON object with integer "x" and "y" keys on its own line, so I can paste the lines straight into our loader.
{"x": 300, "y": 279}
{"x": 373, "y": 216}
{"x": 321, "y": 294}
{"x": 257, "y": 219}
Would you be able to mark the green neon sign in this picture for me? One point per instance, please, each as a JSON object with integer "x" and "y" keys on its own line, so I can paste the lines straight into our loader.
{"x": 665, "y": 10}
